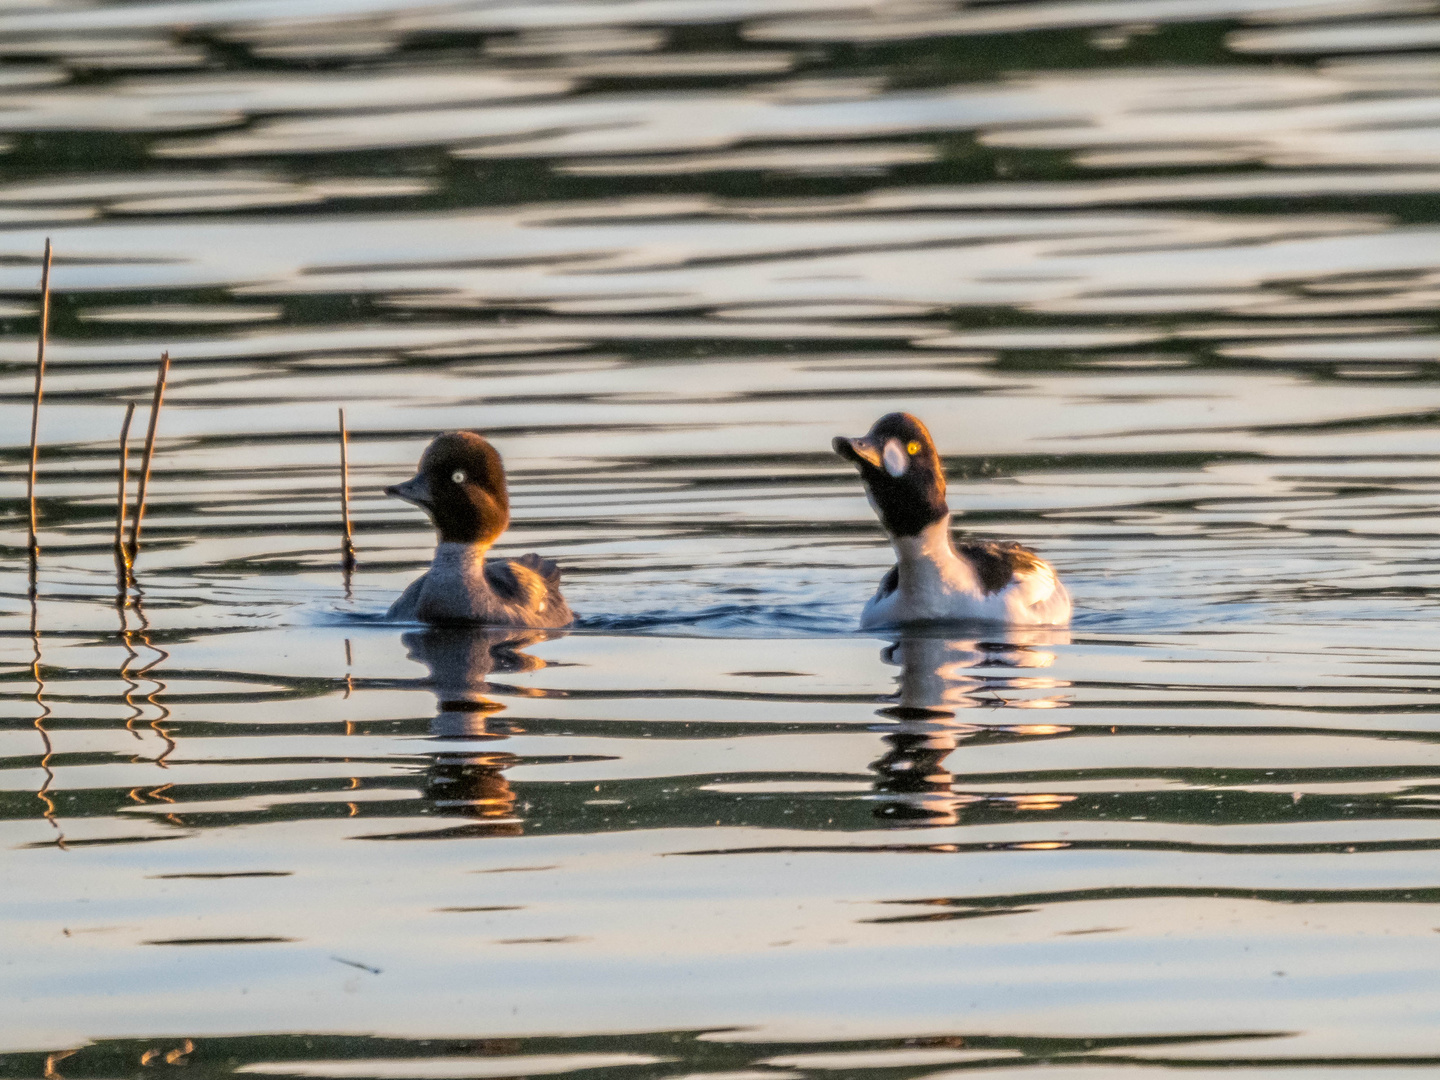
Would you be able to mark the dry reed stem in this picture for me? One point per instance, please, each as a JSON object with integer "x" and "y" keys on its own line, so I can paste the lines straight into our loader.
{"x": 122, "y": 564}
{"x": 35, "y": 414}
{"x": 347, "y": 545}
{"x": 144, "y": 488}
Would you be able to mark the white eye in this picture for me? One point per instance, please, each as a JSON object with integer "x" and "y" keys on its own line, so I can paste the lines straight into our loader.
{"x": 897, "y": 461}
{"x": 458, "y": 476}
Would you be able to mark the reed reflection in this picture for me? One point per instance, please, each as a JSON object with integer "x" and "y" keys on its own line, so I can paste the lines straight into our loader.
{"x": 471, "y": 782}
{"x": 938, "y": 677}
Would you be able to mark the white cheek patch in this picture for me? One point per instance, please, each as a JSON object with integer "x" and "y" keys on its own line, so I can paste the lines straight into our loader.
{"x": 897, "y": 462}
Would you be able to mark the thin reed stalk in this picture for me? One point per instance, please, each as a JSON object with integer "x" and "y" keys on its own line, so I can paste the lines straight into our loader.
{"x": 122, "y": 563}
{"x": 347, "y": 544}
{"x": 34, "y": 546}
{"x": 155, "y": 404}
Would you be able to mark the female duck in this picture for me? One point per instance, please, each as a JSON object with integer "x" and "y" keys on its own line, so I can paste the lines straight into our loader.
{"x": 933, "y": 580}
{"x": 461, "y": 484}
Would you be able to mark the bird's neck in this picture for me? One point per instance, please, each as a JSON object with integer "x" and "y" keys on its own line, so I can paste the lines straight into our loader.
{"x": 929, "y": 559}
{"x": 456, "y": 555}
{"x": 932, "y": 544}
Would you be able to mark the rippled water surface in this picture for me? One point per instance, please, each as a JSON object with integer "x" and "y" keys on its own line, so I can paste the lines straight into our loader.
{"x": 1160, "y": 274}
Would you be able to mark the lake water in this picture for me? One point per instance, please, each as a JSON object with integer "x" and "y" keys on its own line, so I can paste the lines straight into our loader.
{"x": 1161, "y": 275}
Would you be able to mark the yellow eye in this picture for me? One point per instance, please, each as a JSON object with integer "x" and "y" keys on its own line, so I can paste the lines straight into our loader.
{"x": 912, "y": 448}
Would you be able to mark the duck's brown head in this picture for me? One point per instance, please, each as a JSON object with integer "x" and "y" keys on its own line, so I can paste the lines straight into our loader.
{"x": 460, "y": 483}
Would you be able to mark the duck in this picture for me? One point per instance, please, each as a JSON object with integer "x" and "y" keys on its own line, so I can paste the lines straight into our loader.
{"x": 460, "y": 484}
{"x": 935, "y": 580}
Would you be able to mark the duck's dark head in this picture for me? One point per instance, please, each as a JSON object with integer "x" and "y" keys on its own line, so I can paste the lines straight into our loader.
{"x": 461, "y": 484}
{"x": 901, "y": 471}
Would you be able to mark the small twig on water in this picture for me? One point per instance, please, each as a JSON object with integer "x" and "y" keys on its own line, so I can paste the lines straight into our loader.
{"x": 357, "y": 964}
{"x": 122, "y": 563}
{"x": 155, "y": 404}
{"x": 347, "y": 545}
{"x": 35, "y": 416}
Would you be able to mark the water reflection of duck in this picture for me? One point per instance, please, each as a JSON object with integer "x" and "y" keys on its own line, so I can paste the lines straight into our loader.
{"x": 933, "y": 580}
{"x": 937, "y": 677}
{"x": 460, "y": 660}
{"x": 461, "y": 484}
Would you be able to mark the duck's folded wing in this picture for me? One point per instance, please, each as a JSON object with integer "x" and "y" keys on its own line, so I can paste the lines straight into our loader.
{"x": 1006, "y": 566}
{"x": 519, "y": 582}
{"x": 542, "y": 566}
{"x": 1038, "y": 584}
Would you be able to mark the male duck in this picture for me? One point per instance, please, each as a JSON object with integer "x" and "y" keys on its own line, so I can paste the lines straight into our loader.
{"x": 933, "y": 579}
{"x": 461, "y": 484}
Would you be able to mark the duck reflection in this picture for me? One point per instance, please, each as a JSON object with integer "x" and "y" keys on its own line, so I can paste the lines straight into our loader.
{"x": 938, "y": 677}
{"x": 461, "y": 659}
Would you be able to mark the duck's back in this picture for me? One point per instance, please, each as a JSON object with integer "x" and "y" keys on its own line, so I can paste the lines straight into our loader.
{"x": 1028, "y": 585}
{"x": 530, "y": 587}
{"x": 462, "y": 586}
{"x": 998, "y": 563}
